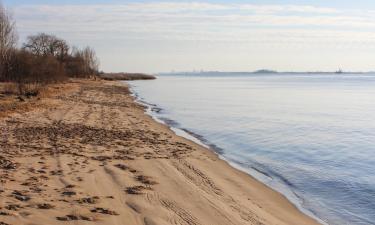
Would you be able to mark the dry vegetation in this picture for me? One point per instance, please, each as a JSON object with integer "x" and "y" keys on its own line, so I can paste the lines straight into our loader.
{"x": 39, "y": 68}
{"x": 126, "y": 76}
{"x": 43, "y": 62}
{"x": 43, "y": 59}
{"x": 11, "y": 101}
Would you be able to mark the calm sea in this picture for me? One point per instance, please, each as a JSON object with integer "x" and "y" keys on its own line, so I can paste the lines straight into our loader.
{"x": 311, "y": 137}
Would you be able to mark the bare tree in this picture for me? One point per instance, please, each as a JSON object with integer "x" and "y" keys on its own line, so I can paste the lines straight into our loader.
{"x": 44, "y": 58}
{"x": 60, "y": 49}
{"x": 91, "y": 61}
{"x": 76, "y": 63}
{"x": 8, "y": 41}
{"x": 47, "y": 45}
{"x": 83, "y": 63}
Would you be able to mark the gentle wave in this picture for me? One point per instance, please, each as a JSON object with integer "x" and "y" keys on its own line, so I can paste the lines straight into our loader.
{"x": 282, "y": 131}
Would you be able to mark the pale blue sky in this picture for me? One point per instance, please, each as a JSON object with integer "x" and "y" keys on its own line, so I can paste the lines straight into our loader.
{"x": 160, "y": 36}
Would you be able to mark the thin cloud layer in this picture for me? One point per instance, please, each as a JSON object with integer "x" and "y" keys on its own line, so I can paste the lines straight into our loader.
{"x": 253, "y": 26}
{"x": 193, "y": 21}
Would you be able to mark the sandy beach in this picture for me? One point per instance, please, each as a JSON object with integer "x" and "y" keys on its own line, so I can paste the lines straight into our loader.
{"x": 90, "y": 155}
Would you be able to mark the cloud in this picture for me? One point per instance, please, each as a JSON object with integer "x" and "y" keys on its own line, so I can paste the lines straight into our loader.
{"x": 271, "y": 9}
{"x": 199, "y": 21}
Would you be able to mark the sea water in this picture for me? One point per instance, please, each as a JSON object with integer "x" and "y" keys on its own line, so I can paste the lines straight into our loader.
{"x": 308, "y": 136}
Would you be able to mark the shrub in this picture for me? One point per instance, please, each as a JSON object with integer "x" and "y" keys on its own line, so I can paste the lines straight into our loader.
{"x": 33, "y": 70}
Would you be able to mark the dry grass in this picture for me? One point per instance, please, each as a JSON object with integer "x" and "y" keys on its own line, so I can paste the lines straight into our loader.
{"x": 27, "y": 90}
{"x": 8, "y": 88}
{"x": 126, "y": 76}
{"x": 11, "y": 101}
{"x": 11, "y": 105}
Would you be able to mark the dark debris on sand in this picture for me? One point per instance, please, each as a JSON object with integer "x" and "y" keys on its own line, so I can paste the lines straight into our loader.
{"x": 104, "y": 211}
{"x": 74, "y": 218}
{"x": 88, "y": 200}
{"x": 6, "y": 164}
{"x": 45, "y": 206}
{"x": 145, "y": 180}
{"x": 122, "y": 166}
{"x": 136, "y": 190}
{"x": 21, "y": 196}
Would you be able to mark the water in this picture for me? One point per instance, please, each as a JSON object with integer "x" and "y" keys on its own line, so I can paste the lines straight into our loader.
{"x": 311, "y": 137}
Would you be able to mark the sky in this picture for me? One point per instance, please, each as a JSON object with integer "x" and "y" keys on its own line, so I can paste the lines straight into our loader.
{"x": 210, "y": 35}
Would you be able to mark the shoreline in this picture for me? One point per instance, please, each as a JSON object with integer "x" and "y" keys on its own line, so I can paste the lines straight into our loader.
{"x": 260, "y": 176}
{"x": 198, "y": 139}
{"x": 93, "y": 155}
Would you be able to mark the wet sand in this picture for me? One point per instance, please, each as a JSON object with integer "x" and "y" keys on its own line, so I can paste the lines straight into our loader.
{"x": 91, "y": 156}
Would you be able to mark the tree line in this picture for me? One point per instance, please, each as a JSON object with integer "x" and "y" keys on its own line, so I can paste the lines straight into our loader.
{"x": 42, "y": 59}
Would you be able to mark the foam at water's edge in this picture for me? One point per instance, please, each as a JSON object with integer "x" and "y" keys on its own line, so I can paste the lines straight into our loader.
{"x": 254, "y": 172}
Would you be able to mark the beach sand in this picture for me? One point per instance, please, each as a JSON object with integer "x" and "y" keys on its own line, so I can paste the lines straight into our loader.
{"x": 90, "y": 155}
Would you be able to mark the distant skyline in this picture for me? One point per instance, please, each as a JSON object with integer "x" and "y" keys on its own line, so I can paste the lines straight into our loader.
{"x": 161, "y": 36}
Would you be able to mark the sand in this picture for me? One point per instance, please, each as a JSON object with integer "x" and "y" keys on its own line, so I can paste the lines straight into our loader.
{"x": 91, "y": 155}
